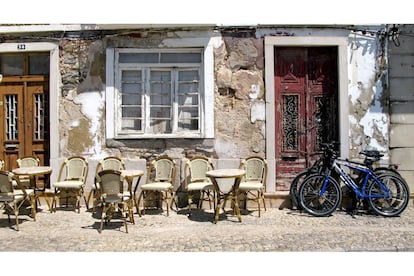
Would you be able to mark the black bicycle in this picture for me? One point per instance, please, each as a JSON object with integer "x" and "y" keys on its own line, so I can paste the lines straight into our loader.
{"x": 323, "y": 162}
{"x": 320, "y": 194}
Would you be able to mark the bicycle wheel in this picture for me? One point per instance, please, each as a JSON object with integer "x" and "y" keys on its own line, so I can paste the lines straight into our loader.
{"x": 294, "y": 188}
{"x": 314, "y": 203}
{"x": 396, "y": 202}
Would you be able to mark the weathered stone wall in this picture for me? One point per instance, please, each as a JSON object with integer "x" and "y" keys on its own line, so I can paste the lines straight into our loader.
{"x": 401, "y": 86}
{"x": 239, "y": 101}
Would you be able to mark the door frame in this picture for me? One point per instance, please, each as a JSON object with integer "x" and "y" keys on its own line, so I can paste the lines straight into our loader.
{"x": 53, "y": 49}
{"x": 303, "y": 41}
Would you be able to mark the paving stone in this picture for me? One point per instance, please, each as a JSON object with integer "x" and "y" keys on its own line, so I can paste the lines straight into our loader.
{"x": 277, "y": 231}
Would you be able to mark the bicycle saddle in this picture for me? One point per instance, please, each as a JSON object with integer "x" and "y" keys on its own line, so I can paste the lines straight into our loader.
{"x": 372, "y": 153}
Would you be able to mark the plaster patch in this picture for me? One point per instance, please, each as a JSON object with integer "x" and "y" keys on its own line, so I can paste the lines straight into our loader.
{"x": 92, "y": 104}
{"x": 75, "y": 123}
{"x": 258, "y": 111}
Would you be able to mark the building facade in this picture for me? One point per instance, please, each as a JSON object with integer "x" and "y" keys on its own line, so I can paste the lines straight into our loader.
{"x": 140, "y": 91}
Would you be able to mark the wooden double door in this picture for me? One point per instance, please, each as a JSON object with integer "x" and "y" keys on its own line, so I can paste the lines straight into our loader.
{"x": 24, "y": 120}
{"x": 306, "y": 107}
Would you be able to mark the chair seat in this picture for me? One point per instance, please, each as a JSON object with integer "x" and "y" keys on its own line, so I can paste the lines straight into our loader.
{"x": 116, "y": 198}
{"x": 69, "y": 184}
{"x": 157, "y": 186}
{"x": 250, "y": 185}
{"x": 195, "y": 186}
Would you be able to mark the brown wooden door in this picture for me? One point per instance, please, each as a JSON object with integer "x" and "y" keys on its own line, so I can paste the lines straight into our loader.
{"x": 306, "y": 102}
{"x": 24, "y": 119}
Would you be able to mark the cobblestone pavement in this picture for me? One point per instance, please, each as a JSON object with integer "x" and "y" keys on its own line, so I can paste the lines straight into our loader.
{"x": 277, "y": 231}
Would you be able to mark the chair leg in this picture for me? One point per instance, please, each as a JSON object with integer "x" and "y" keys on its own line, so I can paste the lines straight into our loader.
{"x": 103, "y": 215}
{"x": 78, "y": 199}
{"x": 131, "y": 211}
{"x": 173, "y": 200}
{"x": 54, "y": 202}
{"x": 258, "y": 201}
{"x": 89, "y": 198}
{"x": 264, "y": 202}
{"x": 135, "y": 203}
{"x": 140, "y": 197}
{"x": 16, "y": 214}
{"x": 33, "y": 200}
{"x": 190, "y": 201}
{"x": 166, "y": 202}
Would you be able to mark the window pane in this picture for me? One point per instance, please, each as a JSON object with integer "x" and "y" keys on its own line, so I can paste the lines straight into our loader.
{"x": 39, "y": 117}
{"x": 11, "y": 118}
{"x": 160, "y": 101}
{"x": 188, "y": 87}
{"x": 12, "y": 65}
{"x": 131, "y": 124}
{"x": 128, "y": 111}
{"x": 160, "y": 88}
{"x": 180, "y": 57}
{"x": 160, "y": 76}
{"x": 131, "y": 88}
{"x": 188, "y": 99}
{"x": 39, "y": 64}
{"x": 138, "y": 57}
{"x": 160, "y": 126}
{"x": 188, "y": 118}
{"x": 188, "y": 75}
{"x": 132, "y": 76}
{"x": 130, "y": 99}
{"x": 160, "y": 112}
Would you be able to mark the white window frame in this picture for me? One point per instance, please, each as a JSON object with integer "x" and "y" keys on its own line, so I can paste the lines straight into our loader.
{"x": 206, "y": 103}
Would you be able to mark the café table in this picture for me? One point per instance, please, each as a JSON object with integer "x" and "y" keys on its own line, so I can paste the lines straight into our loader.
{"x": 32, "y": 172}
{"x": 226, "y": 192}
{"x": 129, "y": 176}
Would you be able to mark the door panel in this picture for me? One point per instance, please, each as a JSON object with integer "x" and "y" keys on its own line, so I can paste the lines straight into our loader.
{"x": 11, "y": 122}
{"x": 24, "y": 119}
{"x": 306, "y": 107}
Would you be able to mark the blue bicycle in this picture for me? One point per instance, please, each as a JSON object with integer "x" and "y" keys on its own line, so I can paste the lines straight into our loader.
{"x": 387, "y": 193}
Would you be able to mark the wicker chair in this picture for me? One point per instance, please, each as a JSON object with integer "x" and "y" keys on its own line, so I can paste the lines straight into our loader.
{"x": 71, "y": 181}
{"x": 13, "y": 198}
{"x": 107, "y": 163}
{"x": 160, "y": 180}
{"x": 254, "y": 182}
{"x": 197, "y": 181}
{"x": 113, "y": 197}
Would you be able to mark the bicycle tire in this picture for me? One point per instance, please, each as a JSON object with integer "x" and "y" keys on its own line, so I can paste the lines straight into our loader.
{"x": 393, "y": 205}
{"x": 317, "y": 205}
{"x": 295, "y": 186}
{"x": 378, "y": 172}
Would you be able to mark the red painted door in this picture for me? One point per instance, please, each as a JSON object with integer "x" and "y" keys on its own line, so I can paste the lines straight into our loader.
{"x": 306, "y": 103}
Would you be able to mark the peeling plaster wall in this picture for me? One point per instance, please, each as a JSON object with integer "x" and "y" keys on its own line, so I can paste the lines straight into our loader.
{"x": 369, "y": 119}
{"x": 82, "y": 103}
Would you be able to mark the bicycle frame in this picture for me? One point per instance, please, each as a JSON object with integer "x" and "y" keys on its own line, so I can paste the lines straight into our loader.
{"x": 347, "y": 179}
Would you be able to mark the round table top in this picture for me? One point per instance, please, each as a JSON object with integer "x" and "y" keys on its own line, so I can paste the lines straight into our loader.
{"x": 223, "y": 173}
{"x": 131, "y": 173}
{"x": 33, "y": 170}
